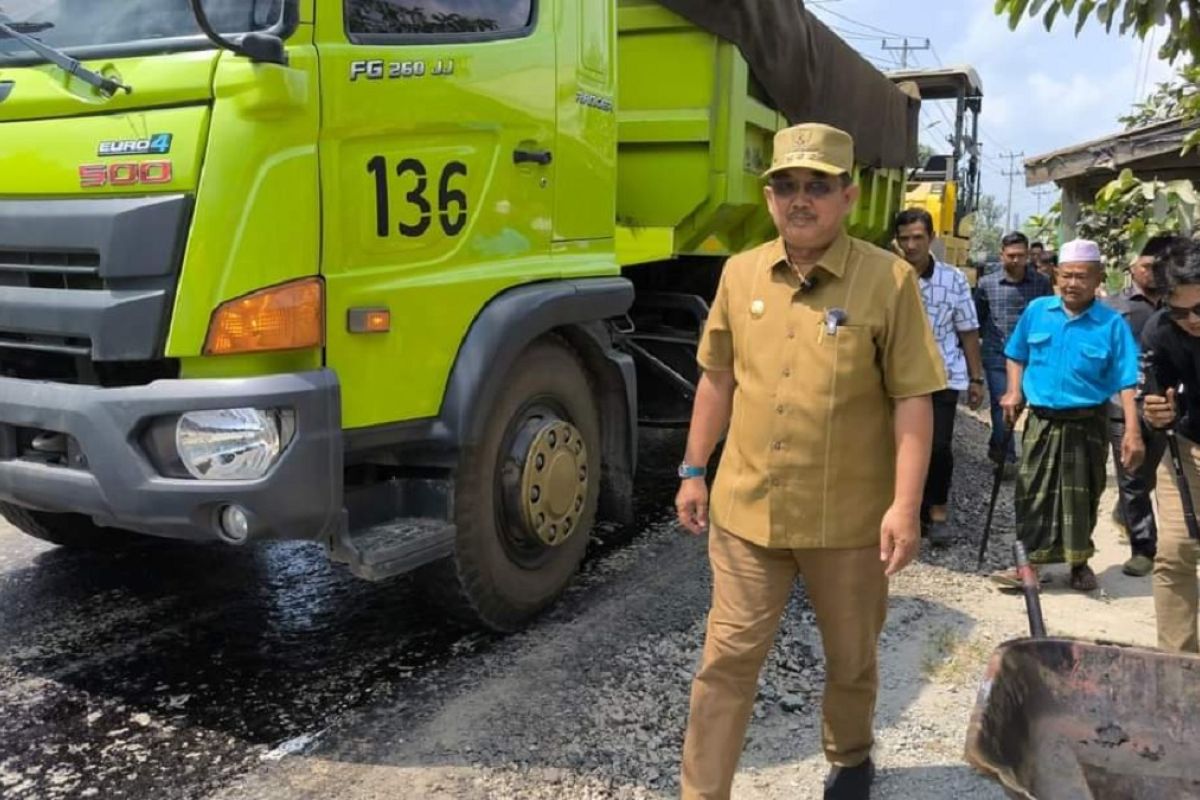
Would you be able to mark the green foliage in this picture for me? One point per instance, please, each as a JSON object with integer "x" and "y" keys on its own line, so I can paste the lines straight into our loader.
{"x": 988, "y": 229}
{"x": 1128, "y": 212}
{"x": 1126, "y": 16}
{"x": 1179, "y": 97}
{"x": 1044, "y": 228}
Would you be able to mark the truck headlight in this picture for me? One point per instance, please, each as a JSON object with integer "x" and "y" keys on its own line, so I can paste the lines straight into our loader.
{"x": 232, "y": 444}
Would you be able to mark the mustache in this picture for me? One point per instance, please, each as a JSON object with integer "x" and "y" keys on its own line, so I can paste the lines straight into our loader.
{"x": 801, "y": 216}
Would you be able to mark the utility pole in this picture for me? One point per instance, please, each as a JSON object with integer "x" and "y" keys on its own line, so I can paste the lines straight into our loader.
{"x": 1039, "y": 194}
{"x": 1011, "y": 173}
{"x": 905, "y": 48}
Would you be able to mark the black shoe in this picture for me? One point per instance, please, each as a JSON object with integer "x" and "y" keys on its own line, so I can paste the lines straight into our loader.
{"x": 850, "y": 783}
{"x": 940, "y": 535}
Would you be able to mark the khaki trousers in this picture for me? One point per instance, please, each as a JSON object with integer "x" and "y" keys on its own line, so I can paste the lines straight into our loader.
{"x": 1176, "y": 591}
{"x": 751, "y": 585}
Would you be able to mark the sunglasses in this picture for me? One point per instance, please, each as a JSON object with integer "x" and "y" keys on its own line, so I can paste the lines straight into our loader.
{"x": 1180, "y": 314}
{"x": 816, "y": 188}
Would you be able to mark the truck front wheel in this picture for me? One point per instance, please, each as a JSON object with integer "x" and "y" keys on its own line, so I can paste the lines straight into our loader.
{"x": 526, "y": 499}
{"x": 65, "y": 530}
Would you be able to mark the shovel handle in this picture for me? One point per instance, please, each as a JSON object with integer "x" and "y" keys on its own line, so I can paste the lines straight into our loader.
{"x": 1032, "y": 589}
{"x": 997, "y": 479}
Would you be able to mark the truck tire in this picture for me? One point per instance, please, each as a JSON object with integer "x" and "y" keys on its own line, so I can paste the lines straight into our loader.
{"x": 65, "y": 530}
{"x": 526, "y": 499}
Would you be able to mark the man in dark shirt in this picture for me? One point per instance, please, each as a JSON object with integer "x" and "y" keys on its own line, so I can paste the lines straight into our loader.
{"x": 1036, "y": 251}
{"x": 1171, "y": 341}
{"x": 1134, "y": 510}
{"x": 1046, "y": 264}
{"x": 1001, "y": 298}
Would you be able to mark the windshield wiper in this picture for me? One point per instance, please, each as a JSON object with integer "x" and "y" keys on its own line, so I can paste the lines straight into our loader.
{"x": 107, "y": 86}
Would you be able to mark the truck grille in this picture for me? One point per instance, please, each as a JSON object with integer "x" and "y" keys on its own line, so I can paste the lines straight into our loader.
{"x": 86, "y": 287}
{"x": 50, "y": 270}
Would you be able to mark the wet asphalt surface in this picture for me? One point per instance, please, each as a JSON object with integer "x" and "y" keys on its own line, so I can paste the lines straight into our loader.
{"x": 166, "y": 670}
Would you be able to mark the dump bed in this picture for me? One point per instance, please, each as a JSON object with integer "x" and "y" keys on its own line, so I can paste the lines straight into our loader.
{"x": 696, "y": 124}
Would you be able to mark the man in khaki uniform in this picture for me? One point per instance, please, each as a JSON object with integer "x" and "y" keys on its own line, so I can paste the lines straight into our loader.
{"x": 818, "y": 359}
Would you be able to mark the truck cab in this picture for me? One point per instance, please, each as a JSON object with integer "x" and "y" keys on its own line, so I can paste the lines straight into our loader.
{"x": 387, "y": 276}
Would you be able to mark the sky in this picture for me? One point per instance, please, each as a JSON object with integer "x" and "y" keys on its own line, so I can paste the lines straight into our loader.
{"x": 1041, "y": 91}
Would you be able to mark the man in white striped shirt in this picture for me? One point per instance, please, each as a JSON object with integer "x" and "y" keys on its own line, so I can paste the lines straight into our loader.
{"x": 951, "y": 312}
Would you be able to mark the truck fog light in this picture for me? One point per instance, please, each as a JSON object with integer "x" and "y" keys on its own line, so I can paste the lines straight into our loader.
{"x": 231, "y": 444}
{"x": 235, "y": 524}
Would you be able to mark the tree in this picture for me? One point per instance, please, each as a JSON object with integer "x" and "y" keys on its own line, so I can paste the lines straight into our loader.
{"x": 1136, "y": 16}
{"x": 1044, "y": 228}
{"x": 1128, "y": 212}
{"x": 1178, "y": 98}
{"x": 987, "y": 229}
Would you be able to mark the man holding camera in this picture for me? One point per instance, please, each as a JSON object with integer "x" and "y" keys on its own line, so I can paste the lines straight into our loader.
{"x": 1171, "y": 342}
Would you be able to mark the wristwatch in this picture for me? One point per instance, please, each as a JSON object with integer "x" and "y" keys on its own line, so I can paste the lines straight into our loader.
{"x": 686, "y": 471}
{"x": 977, "y": 381}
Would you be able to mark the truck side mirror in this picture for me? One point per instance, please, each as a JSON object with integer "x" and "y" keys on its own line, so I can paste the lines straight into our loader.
{"x": 264, "y": 47}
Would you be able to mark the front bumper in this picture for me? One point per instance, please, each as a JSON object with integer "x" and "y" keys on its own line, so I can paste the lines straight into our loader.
{"x": 116, "y": 484}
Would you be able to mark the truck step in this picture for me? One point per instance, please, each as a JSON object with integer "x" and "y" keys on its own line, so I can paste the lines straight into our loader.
{"x": 394, "y": 547}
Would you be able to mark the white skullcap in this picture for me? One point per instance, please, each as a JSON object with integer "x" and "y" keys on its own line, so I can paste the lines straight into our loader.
{"x": 1080, "y": 251}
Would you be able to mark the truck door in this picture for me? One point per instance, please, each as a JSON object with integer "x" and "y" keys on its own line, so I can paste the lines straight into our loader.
{"x": 437, "y": 165}
{"x": 586, "y": 153}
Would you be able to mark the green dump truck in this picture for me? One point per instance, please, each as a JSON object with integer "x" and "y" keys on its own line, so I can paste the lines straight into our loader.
{"x": 402, "y": 277}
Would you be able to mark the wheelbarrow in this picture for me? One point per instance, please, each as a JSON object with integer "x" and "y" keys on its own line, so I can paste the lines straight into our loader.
{"x": 1065, "y": 719}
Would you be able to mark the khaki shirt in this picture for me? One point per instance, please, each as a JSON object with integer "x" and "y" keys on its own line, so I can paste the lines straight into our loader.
{"x": 810, "y": 458}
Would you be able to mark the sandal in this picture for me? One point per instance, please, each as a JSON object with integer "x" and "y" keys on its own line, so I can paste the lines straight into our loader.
{"x": 1083, "y": 579}
{"x": 1010, "y": 580}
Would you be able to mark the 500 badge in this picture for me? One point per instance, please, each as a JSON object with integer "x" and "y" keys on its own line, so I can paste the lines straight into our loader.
{"x": 126, "y": 173}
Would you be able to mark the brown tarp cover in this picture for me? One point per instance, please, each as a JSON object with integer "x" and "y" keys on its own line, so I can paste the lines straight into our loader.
{"x": 812, "y": 75}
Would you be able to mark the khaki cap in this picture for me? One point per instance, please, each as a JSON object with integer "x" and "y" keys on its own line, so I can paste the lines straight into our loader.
{"x": 821, "y": 148}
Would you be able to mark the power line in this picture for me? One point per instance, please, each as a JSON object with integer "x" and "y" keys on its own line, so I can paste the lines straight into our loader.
{"x": 1145, "y": 80}
{"x": 1011, "y": 173}
{"x": 1039, "y": 193}
{"x": 894, "y": 61}
{"x": 863, "y": 25}
{"x": 1137, "y": 76}
{"x": 858, "y": 37}
{"x": 983, "y": 134}
{"x": 904, "y": 49}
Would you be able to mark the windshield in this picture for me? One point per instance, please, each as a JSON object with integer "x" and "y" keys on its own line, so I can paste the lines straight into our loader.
{"x": 91, "y": 23}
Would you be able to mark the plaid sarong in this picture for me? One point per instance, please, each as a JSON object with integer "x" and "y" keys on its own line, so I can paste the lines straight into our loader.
{"x": 1059, "y": 486}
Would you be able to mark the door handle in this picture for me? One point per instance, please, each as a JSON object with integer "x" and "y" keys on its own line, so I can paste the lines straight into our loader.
{"x": 543, "y": 157}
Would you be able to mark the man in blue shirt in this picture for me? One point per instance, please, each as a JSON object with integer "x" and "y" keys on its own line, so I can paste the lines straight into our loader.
{"x": 1001, "y": 299}
{"x": 1067, "y": 356}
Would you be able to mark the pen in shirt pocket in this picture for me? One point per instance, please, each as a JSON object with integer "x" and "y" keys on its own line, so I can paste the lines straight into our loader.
{"x": 834, "y": 319}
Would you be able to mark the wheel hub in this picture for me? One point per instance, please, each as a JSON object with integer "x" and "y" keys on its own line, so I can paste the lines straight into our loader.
{"x": 554, "y": 482}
